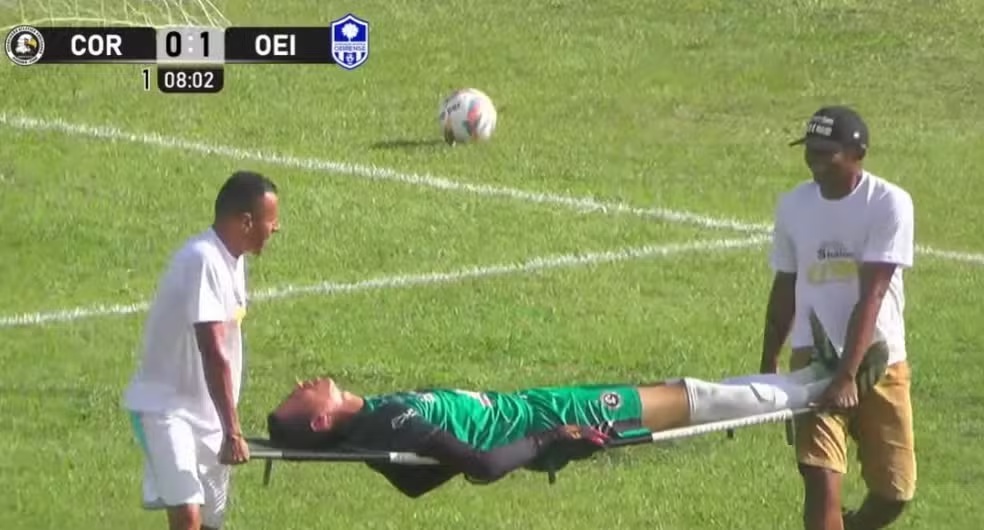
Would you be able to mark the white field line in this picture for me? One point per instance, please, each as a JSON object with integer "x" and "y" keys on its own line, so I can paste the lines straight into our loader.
{"x": 369, "y": 172}
{"x": 410, "y": 280}
{"x": 372, "y": 172}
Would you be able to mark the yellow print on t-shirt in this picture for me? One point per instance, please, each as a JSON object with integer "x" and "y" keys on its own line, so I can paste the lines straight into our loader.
{"x": 240, "y": 314}
{"x": 833, "y": 270}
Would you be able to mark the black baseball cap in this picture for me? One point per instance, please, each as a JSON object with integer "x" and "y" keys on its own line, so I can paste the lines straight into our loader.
{"x": 835, "y": 127}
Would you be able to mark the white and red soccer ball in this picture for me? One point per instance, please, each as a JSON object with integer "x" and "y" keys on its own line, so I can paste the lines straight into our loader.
{"x": 467, "y": 116}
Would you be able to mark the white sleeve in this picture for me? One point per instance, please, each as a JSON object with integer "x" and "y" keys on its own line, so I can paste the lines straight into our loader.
{"x": 205, "y": 292}
{"x": 783, "y": 255}
{"x": 890, "y": 237}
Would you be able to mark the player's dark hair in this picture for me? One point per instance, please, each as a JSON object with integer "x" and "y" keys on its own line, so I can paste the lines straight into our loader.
{"x": 242, "y": 193}
{"x": 295, "y": 432}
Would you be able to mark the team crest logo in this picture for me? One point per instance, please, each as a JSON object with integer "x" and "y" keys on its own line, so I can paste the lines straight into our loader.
{"x": 350, "y": 41}
{"x": 611, "y": 400}
{"x": 24, "y": 45}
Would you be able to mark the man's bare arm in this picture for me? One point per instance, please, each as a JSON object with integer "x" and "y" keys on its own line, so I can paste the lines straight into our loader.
{"x": 218, "y": 375}
{"x": 778, "y": 318}
{"x": 875, "y": 279}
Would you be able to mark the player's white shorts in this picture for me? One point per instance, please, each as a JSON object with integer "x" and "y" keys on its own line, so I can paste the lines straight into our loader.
{"x": 181, "y": 466}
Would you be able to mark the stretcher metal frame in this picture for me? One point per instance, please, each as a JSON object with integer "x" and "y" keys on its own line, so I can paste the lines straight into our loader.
{"x": 263, "y": 449}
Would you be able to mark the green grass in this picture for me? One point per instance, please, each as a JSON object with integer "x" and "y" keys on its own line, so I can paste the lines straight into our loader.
{"x": 688, "y": 106}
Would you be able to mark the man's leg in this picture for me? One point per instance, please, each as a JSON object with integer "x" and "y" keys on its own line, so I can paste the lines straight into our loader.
{"x": 214, "y": 509}
{"x": 690, "y": 401}
{"x": 886, "y": 449}
{"x": 184, "y": 517}
{"x": 664, "y": 406}
{"x": 821, "y": 451}
{"x": 171, "y": 479}
{"x": 875, "y": 513}
{"x": 215, "y": 479}
{"x": 821, "y": 499}
{"x": 806, "y": 373}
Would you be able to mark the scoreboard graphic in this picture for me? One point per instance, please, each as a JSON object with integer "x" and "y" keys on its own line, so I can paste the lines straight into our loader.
{"x": 192, "y": 59}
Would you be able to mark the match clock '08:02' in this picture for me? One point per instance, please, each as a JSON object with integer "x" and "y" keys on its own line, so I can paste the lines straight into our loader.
{"x": 183, "y": 80}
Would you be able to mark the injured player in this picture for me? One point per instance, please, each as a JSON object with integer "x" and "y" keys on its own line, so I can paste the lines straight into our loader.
{"x": 485, "y": 435}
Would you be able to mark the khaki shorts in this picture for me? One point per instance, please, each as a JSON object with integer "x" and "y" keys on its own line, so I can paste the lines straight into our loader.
{"x": 882, "y": 427}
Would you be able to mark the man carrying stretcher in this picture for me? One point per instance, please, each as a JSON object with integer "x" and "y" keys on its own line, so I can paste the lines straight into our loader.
{"x": 486, "y": 435}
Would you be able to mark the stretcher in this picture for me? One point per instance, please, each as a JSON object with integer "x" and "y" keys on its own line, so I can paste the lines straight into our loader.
{"x": 262, "y": 449}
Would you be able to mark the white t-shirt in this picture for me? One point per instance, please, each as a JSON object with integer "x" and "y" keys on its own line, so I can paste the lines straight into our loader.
{"x": 204, "y": 283}
{"x": 825, "y": 241}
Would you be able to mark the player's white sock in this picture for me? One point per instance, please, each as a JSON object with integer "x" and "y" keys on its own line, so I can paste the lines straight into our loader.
{"x": 715, "y": 402}
{"x": 803, "y": 376}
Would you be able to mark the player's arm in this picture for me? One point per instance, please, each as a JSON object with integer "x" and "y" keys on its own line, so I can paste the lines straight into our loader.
{"x": 404, "y": 431}
{"x": 414, "y": 481}
{"x": 218, "y": 375}
{"x": 781, "y": 307}
{"x": 412, "y": 433}
{"x": 209, "y": 319}
{"x": 889, "y": 245}
{"x": 491, "y": 465}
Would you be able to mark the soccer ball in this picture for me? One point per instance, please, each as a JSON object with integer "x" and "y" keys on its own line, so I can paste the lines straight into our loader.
{"x": 467, "y": 115}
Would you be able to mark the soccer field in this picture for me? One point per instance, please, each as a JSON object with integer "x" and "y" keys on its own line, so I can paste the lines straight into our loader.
{"x": 615, "y": 229}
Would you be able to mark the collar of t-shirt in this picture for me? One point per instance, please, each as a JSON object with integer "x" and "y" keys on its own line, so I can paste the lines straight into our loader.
{"x": 865, "y": 176}
{"x": 214, "y": 236}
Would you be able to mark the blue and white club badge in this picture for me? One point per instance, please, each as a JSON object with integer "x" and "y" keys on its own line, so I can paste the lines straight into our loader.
{"x": 350, "y": 41}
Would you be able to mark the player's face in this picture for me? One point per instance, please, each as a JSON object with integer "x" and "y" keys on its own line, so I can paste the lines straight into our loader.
{"x": 263, "y": 223}
{"x": 824, "y": 162}
{"x": 315, "y": 399}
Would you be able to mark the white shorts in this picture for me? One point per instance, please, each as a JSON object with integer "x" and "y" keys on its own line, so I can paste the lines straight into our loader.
{"x": 181, "y": 466}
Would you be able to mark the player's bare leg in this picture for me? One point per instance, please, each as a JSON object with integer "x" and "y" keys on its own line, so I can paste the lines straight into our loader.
{"x": 821, "y": 499}
{"x": 664, "y": 406}
{"x": 691, "y": 401}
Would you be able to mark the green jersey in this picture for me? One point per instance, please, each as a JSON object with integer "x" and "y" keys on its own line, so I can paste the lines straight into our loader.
{"x": 491, "y": 419}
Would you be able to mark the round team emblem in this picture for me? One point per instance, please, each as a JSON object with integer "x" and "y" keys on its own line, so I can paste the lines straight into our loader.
{"x": 24, "y": 45}
{"x": 611, "y": 400}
